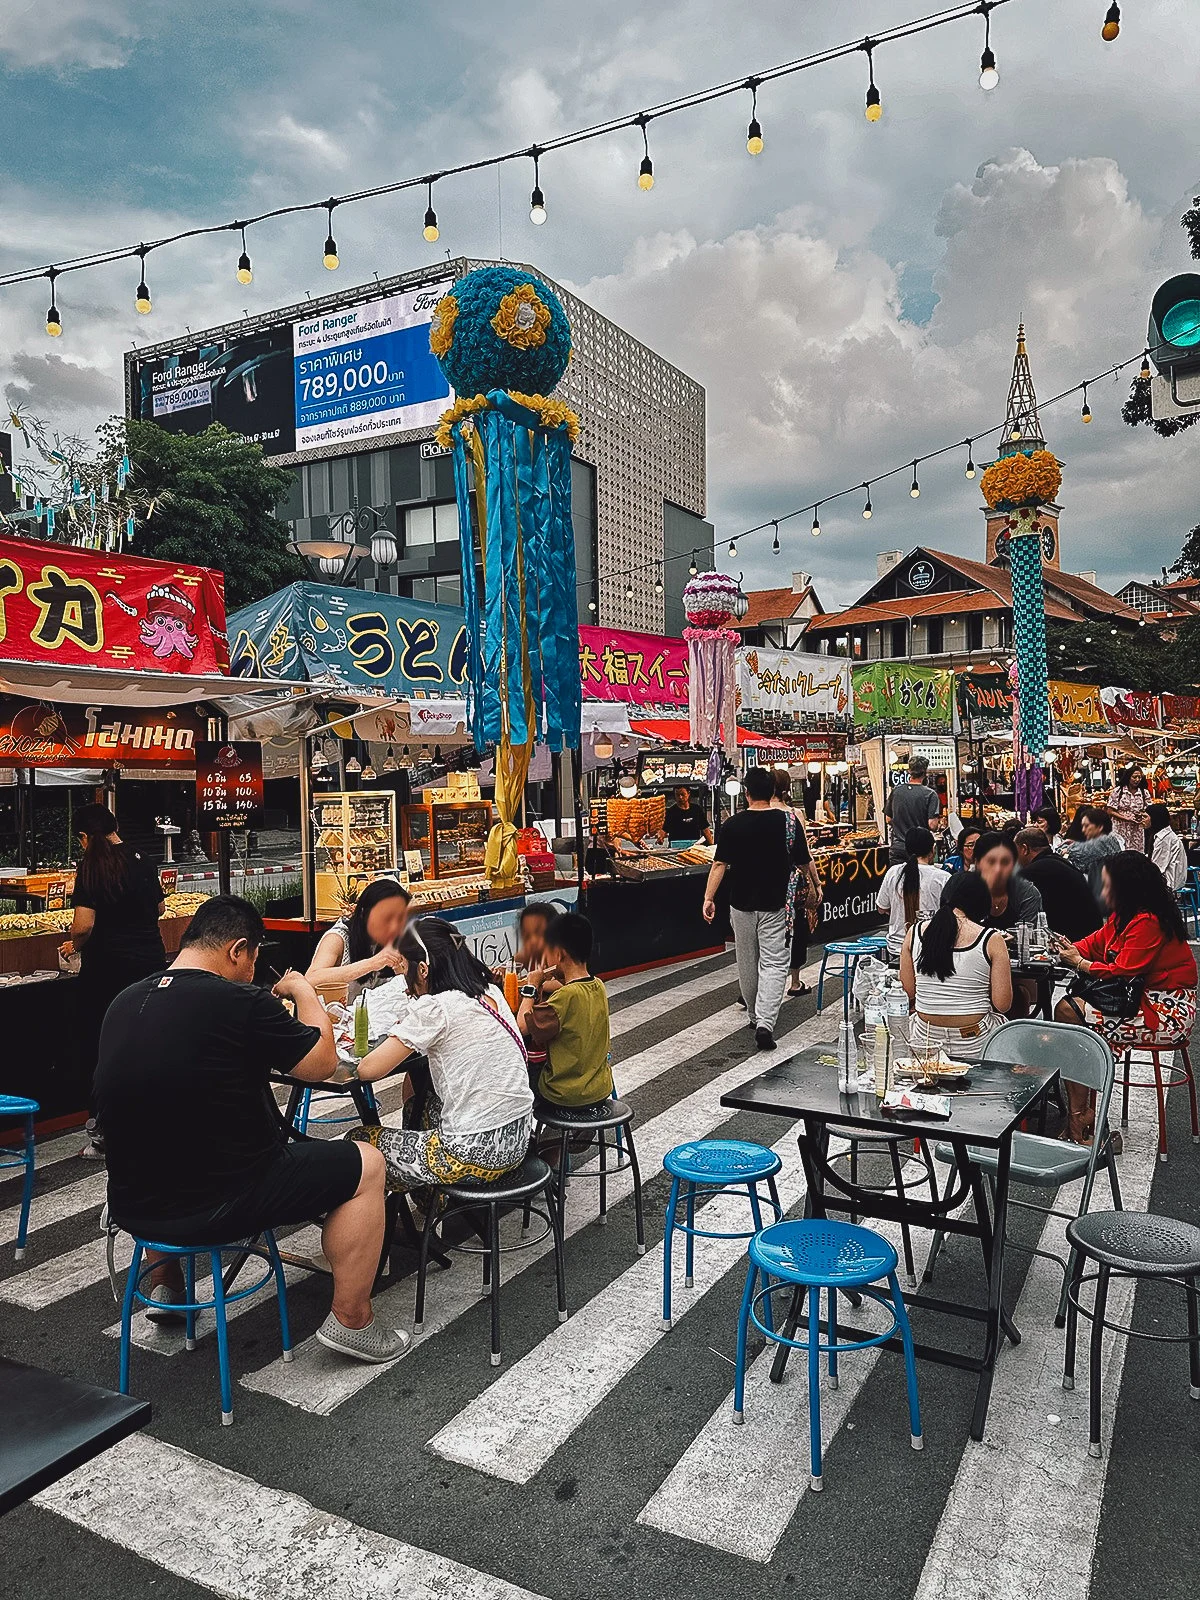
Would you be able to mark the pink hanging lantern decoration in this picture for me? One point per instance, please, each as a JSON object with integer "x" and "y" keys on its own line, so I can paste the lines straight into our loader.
{"x": 711, "y": 601}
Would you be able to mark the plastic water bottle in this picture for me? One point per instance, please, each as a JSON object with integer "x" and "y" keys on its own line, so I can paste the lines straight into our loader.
{"x": 847, "y": 1058}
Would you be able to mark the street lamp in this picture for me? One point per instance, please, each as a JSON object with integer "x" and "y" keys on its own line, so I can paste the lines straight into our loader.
{"x": 349, "y": 537}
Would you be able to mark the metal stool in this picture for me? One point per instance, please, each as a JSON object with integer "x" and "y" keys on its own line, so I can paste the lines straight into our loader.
{"x": 1129, "y": 1244}
{"x": 851, "y": 952}
{"x": 15, "y": 1105}
{"x": 267, "y": 1251}
{"x": 1169, "y": 1077}
{"x": 888, "y": 1144}
{"x": 807, "y": 1257}
{"x": 716, "y": 1166}
{"x": 1189, "y": 900}
{"x": 531, "y": 1178}
{"x": 300, "y": 1116}
{"x": 569, "y": 1121}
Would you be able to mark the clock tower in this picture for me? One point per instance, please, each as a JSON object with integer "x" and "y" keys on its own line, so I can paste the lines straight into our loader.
{"x": 1022, "y": 431}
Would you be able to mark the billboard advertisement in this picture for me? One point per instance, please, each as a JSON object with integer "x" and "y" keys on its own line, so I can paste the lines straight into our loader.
{"x": 339, "y": 377}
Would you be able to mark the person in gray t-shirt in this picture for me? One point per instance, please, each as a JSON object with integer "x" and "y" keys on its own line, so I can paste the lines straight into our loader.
{"x": 910, "y": 805}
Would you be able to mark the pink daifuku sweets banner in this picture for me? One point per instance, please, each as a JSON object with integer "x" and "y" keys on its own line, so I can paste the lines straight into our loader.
{"x": 641, "y": 667}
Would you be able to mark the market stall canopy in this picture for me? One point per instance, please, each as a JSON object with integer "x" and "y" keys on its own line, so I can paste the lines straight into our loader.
{"x": 677, "y": 730}
{"x": 108, "y": 686}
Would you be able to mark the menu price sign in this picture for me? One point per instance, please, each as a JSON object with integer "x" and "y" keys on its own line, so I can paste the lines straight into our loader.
{"x": 229, "y": 783}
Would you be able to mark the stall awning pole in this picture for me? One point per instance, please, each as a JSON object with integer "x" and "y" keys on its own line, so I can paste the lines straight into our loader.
{"x": 308, "y": 881}
{"x": 577, "y": 806}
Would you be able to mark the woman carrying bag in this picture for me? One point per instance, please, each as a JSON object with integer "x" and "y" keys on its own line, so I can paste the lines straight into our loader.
{"x": 804, "y": 889}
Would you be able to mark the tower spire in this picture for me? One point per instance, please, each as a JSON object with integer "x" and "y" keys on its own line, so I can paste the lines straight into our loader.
{"x": 1021, "y": 418}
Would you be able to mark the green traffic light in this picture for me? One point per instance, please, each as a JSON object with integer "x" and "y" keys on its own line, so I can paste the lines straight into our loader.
{"x": 1181, "y": 324}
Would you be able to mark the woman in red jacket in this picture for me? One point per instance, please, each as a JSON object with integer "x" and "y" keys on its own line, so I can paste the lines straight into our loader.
{"x": 1144, "y": 937}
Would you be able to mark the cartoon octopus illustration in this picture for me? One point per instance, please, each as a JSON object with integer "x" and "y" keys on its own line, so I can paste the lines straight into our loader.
{"x": 165, "y": 628}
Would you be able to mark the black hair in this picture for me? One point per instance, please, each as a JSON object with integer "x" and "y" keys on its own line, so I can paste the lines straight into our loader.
{"x": 918, "y": 842}
{"x": 967, "y": 831}
{"x": 359, "y": 944}
{"x": 571, "y": 932}
{"x": 1125, "y": 777}
{"x": 103, "y": 869}
{"x": 1094, "y": 814}
{"x": 759, "y": 783}
{"x": 536, "y": 908}
{"x": 1051, "y": 818}
{"x": 966, "y": 892}
{"x": 1135, "y": 885}
{"x": 1160, "y": 817}
{"x": 450, "y": 961}
{"x": 221, "y": 921}
{"x": 993, "y": 841}
{"x": 783, "y": 786}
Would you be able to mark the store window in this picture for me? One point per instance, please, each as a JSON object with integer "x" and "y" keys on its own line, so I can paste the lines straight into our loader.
{"x": 975, "y": 631}
{"x": 934, "y": 637}
{"x": 899, "y": 640}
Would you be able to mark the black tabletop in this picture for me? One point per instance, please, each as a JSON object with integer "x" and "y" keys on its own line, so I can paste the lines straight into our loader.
{"x": 805, "y": 1085}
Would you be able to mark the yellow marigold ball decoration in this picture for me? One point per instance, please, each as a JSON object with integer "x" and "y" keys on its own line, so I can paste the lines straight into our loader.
{"x": 1020, "y": 479}
{"x": 441, "y": 332}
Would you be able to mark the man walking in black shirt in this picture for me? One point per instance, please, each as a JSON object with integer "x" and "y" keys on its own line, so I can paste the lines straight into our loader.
{"x": 759, "y": 847}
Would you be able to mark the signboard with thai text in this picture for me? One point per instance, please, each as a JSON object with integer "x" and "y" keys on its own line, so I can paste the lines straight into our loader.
{"x": 34, "y": 733}
{"x": 229, "y": 783}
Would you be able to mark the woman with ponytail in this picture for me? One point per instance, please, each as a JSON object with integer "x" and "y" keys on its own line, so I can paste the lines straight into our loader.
{"x": 118, "y": 900}
{"x": 956, "y": 973}
{"x": 912, "y": 888}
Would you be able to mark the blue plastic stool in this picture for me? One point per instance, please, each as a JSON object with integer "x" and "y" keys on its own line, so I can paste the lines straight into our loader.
{"x": 300, "y": 1121}
{"x": 220, "y": 1299}
{"x": 1189, "y": 899}
{"x": 815, "y": 1255}
{"x": 851, "y": 952}
{"x": 15, "y": 1105}
{"x": 717, "y": 1166}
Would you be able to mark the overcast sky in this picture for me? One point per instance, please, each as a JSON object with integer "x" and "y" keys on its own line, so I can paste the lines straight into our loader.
{"x": 848, "y": 298}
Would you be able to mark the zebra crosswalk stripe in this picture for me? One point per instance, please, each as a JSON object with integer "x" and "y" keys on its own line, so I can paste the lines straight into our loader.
{"x": 56, "y": 1205}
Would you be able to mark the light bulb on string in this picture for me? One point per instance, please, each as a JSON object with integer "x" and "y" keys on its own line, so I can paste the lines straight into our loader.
{"x": 874, "y": 106}
{"x": 1016, "y": 431}
{"x": 537, "y": 200}
{"x": 754, "y": 138}
{"x": 693, "y": 568}
{"x": 245, "y": 272}
{"x": 1112, "y": 23}
{"x": 658, "y": 583}
{"x": 646, "y": 170}
{"x": 969, "y": 469}
{"x": 1144, "y": 370}
{"x": 915, "y": 491}
{"x": 141, "y": 299}
{"x": 732, "y": 548}
{"x": 1086, "y": 413}
{"x": 988, "y": 76}
{"x": 591, "y": 605}
{"x": 53, "y": 320}
{"x": 816, "y": 527}
{"x": 867, "y": 503}
{"x": 629, "y": 591}
{"x": 330, "y": 256}
{"x": 430, "y": 231}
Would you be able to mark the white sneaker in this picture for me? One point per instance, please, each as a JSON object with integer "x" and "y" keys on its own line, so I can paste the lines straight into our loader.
{"x": 372, "y": 1344}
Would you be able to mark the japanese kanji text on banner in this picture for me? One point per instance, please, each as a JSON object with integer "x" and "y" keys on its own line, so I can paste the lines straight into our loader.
{"x": 640, "y": 667}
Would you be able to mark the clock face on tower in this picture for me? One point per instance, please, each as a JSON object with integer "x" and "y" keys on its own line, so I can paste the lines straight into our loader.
{"x": 1049, "y": 544}
{"x": 1002, "y": 543}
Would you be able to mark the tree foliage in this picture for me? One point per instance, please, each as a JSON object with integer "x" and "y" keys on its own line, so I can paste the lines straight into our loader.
{"x": 1153, "y": 658}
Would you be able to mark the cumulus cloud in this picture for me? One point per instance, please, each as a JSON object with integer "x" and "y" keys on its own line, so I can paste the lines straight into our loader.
{"x": 74, "y": 33}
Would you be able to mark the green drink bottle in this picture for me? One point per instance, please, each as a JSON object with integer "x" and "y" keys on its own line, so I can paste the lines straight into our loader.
{"x": 361, "y": 1024}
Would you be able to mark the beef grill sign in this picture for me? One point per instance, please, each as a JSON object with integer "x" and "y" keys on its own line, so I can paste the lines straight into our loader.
{"x": 35, "y": 733}
{"x": 229, "y": 783}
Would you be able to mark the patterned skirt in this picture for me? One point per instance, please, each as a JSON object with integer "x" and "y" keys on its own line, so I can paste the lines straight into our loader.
{"x": 419, "y": 1157}
{"x": 1167, "y": 1015}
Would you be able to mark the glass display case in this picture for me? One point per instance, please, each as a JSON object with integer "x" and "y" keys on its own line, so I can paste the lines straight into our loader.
{"x": 450, "y": 835}
{"x": 354, "y": 839}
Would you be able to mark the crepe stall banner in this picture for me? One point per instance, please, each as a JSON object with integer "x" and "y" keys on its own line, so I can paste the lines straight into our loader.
{"x": 781, "y": 691}
{"x": 1077, "y": 708}
{"x": 80, "y": 608}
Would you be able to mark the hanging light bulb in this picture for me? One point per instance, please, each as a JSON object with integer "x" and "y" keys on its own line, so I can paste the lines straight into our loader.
{"x": 1086, "y": 413}
{"x": 330, "y": 257}
{"x": 591, "y": 605}
{"x": 732, "y": 548}
{"x": 1112, "y": 23}
{"x": 430, "y": 230}
{"x": 629, "y": 591}
{"x": 53, "y": 320}
{"x": 369, "y": 773}
{"x": 141, "y": 299}
{"x": 874, "y": 106}
{"x": 537, "y": 200}
{"x": 775, "y": 541}
{"x": 390, "y": 764}
{"x": 354, "y": 764}
{"x": 646, "y": 170}
{"x": 816, "y": 527}
{"x": 867, "y": 503}
{"x": 658, "y": 584}
{"x": 969, "y": 469}
{"x": 1016, "y": 431}
{"x": 754, "y": 138}
{"x": 245, "y": 272}
{"x": 693, "y": 568}
{"x": 915, "y": 491}
{"x": 988, "y": 76}
{"x": 1144, "y": 370}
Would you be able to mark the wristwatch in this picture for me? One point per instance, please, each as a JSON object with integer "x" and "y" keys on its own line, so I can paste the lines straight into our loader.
{"x": 527, "y": 991}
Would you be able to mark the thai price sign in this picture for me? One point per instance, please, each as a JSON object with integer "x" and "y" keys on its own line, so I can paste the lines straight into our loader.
{"x": 229, "y": 783}
{"x": 83, "y": 608}
{"x": 1077, "y": 708}
{"x": 39, "y": 734}
{"x": 641, "y": 667}
{"x": 351, "y": 638}
{"x": 894, "y": 697}
{"x": 781, "y": 690}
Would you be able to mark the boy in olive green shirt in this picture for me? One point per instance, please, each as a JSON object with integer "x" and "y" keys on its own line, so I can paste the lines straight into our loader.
{"x": 571, "y": 1024}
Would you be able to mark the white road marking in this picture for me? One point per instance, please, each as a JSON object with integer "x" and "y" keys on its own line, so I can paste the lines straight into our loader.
{"x": 317, "y": 1380}
{"x": 635, "y": 980}
{"x": 68, "y": 1200}
{"x": 244, "y": 1541}
{"x": 656, "y": 1006}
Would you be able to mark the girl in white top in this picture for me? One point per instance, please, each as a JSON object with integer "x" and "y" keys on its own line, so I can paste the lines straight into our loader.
{"x": 362, "y": 947}
{"x": 956, "y": 973}
{"x": 912, "y": 888}
{"x": 477, "y": 1118}
{"x": 1166, "y": 847}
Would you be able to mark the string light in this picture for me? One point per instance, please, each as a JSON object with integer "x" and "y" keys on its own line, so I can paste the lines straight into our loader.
{"x": 969, "y": 469}
{"x": 591, "y": 605}
{"x": 1016, "y": 431}
{"x": 1112, "y": 23}
{"x": 537, "y": 200}
{"x": 53, "y": 320}
{"x": 754, "y": 138}
{"x": 646, "y": 170}
{"x": 629, "y": 591}
{"x": 874, "y": 106}
{"x": 430, "y": 231}
{"x": 1144, "y": 371}
{"x": 330, "y": 256}
{"x": 775, "y": 541}
{"x": 658, "y": 582}
{"x": 1086, "y": 413}
{"x": 693, "y": 569}
{"x": 816, "y": 527}
{"x": 988, "y": 76}
{"x": 732, "y": 548}
{"x": 915, "y": 491}
{"x": 867, "y": 506}
{"x": 245, "y": 272}
{"x": 141, "y": 300}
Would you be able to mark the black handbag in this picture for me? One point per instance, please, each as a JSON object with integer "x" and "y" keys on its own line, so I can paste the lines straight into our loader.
{"x": 1112, "y": 997}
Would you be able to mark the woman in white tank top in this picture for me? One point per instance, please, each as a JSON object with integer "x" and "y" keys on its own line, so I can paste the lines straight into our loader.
{"x": 956, "y": 973}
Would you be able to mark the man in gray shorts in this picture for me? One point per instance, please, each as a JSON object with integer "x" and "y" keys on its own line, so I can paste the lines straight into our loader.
{"x": 911, "y": 805}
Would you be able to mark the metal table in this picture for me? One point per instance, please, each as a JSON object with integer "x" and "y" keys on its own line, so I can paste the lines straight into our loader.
{"x": 1000, "y": 1097}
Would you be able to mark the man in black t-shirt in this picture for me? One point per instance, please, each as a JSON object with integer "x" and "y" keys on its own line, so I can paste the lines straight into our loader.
{"x": 1067, "y": 897}
{"x": 755, "y": 851}
{"x": 686, "y": 821}
{"x": 197, "y": 1151}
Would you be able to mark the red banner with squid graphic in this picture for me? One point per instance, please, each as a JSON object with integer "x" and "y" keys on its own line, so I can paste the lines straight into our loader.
{"x": 84, "y": 608}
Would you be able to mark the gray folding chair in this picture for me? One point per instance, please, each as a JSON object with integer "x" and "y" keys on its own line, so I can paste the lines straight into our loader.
{"x": 1082, "y": 1057}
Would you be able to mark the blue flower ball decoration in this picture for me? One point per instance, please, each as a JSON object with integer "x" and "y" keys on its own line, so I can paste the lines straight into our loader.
{"x": 501, "y": 328}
